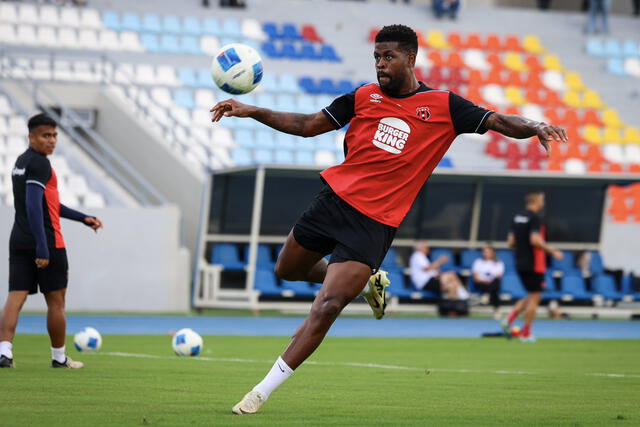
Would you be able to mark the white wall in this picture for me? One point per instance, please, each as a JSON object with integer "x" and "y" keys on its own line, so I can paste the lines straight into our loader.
{"x": 134, "y": 264}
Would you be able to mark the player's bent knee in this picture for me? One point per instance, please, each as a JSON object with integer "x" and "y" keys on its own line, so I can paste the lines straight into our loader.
{"x": 286, "y": 273}
{"x": 329, "y": 307}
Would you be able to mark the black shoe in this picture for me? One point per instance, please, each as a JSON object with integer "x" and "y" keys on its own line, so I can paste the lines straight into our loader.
{"x": 68, "y": 364}
{"x": 5, "y": 362}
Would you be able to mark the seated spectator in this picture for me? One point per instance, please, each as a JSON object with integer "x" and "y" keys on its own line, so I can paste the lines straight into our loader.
{"x": 487, "y": 272}
{"x": 426, "y": 275}
{"x": 446, "y": 7}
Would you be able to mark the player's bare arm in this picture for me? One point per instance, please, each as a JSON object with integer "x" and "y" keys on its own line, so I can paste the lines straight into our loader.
{"x": 521, "y": 127}
{"x": 538, "y": 242}
{"x": 511, "y": 240}
{"x": 298, "y": 124}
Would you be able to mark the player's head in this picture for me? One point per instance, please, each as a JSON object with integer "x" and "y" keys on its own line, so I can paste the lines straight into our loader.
{"x": 43, "y": 133}
{"x": 395, "y": 56}
{"x": 422, "y": 246}
{"x": 534, "y": 200}
{"x": 488, "y": 252}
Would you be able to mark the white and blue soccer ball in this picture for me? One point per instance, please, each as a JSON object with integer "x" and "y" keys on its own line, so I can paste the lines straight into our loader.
{"x": 237, "y": 68}
{"x": 187, "y": 342}
{"x": 87, "y": 340}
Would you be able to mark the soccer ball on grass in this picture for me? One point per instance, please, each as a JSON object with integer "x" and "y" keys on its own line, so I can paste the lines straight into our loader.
{"x": 187, "y": 342}
{"x": 87, "y": 340}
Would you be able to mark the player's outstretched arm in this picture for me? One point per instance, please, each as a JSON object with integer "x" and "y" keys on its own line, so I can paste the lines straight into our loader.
{"x": 293, "y": 123}
{"x": 520, "y": 127}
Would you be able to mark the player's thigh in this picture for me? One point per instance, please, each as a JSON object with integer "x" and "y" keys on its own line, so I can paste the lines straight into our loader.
{"x": 15, "y": 300}
{"x": 56, "y": 298}
{"x": 55, "y": 276}
{"x": 295, "y": 257}
{"x": 344, "y": 281}
{"x": 23, "y": 272}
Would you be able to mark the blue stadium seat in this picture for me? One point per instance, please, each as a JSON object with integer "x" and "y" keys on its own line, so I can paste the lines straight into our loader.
{"x": 151, "y": 23}
{"x": 397, "y": 286}
{"x": 264, "y": 261}
{"x": 309, "y": 86}
{"x": 446, "y": 163}
{"x": 506, "y": 256}
{"x": 304, "y": 158}
{"x": 612, "y": 48}
{"x": 290, "y": 31}
{"x": 550, "y": 290}
{"x": 231, "y": 28}
{"x": 271, "y": 30}
{"x": 269, "y": 83}
{"x": 511, "y": 285}
{"x": 266, "y": 100}
{"x": 270, "y": 50}
{"x": 211, "y": 27}
{"x": 468, "y": 256}
{"x": 289, "y": 51}
{"x": 227, "y": 255}
{"x": 327, "y": 53}
{"x": 241, "y": 157}
{"x": 184, "y": 98}
{"x": 150, "y": 43}
{"x": 285, "y": 103}
{"x": 265, "y": 139}
{"x": 287, "y": 83}
{"x": 191, "y": 46}
{"x": 566, "y": 265}
{"x": 616, "y": 66}
{"x": 390, "y": 262}
{"x": 284, "y": 157}
{"x": 327, "y": 86}
{"x": 308, "y": 51}
{"x": 171, "y": 25}
{"x": 203, "y": 79}
{"x": 298, "y": 289}
{"x": 344, "y": 86}
{"x": 574, "y": 287}
{"x": 305, "y": 104}
{"x": 595, "y": 47}
{"x": 265, "y": 282}
{"x": 130, "y": 22}
{"x": 188, "y": 77}
{"x": 447, "y": 266}
{"x": 605, "y": 286}
{"x": 627, "y": 288}
{"x": 596, "y": 266}
{"x": 284, "y": 141}
{"x": 191, "y": 26}
{"x": 169, "y": 44}
{"x": 263, "y": 156}
{"x": 244, "y": 138}
{"x": 111, "y": 20}
{"x": 325, "y": 142}
{"x": 630, "y": 48}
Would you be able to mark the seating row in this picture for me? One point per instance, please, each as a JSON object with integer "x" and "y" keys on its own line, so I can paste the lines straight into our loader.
{"x": 613, "y": 48}
{"x": 300, "y": 51}
{"x": 243, "y": 156}
{"x": 289, "y": 31}
{"x": 327, "y": 86}
{"x": 624, "y": 203}
{"x": 624, "y": 67}
{"x": 29, "y": 13}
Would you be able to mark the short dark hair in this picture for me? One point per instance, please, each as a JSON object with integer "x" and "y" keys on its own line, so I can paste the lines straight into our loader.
{"x": 41, "y": 119}
{"x": 405, "y": 36}
{"x": 531, "y": 195}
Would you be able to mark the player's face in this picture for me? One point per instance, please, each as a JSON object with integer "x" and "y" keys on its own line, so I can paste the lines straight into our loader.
{"x": 393, "y": 66}
{"x": 43, "y": 139}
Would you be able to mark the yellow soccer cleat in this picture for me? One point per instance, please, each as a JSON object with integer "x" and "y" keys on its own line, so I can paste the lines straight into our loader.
{"x": 249, "y": 404}
{"x": 376, "y": 294}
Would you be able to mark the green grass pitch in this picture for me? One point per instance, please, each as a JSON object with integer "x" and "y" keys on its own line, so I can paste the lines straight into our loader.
{"x": 438, "y": 382}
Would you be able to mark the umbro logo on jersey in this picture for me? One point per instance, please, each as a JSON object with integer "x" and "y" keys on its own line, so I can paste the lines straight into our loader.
{"x": 392, "y": 135}
{"x": 423, "y": 113}
{"x": 18, "y": 172}
{"x": 375, "y": 97}
{"x": 521, "y": 219}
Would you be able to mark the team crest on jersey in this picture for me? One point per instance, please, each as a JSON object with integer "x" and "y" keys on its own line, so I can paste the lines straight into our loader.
{"x": 391, "y": 135}
{"x": 423, "y": 113}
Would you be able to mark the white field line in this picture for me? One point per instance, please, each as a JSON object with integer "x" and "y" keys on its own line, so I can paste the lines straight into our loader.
{"x": 357, "y": 365}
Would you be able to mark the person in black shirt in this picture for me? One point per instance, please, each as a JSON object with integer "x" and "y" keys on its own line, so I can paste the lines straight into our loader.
{"x": 527, "y": 238}
{"x": 37, "y": 254}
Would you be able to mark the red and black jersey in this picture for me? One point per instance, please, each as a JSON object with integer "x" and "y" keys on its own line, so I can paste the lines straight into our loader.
{"x": 33, "y": 168}
{"x": 528, "y": 257}
{"x": 393, "y": 144}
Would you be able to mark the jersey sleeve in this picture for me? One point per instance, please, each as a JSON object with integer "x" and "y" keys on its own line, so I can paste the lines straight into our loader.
{"x": 341, "y": 110}
{"x": 466, "y": 116}
{"x": 38, "y": 171}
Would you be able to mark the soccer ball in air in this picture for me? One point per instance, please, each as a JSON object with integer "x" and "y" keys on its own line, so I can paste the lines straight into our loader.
{"x": 87, "y": 340}
{"x": 237, "y": 68}
{"x": 187, "y": 342}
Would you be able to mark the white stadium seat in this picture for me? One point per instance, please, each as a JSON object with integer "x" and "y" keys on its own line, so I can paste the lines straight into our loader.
{"x": 632, "y": 66}
{"x": 69, "y": 17}
{"x": 17, "y": 144}
{"x": 325, "y": 158}
{"x": 28, "y": 14}
{"x": 613, "y": 153}
{"x": 476, "y": 59}
{"x": 5, "y": 107}
{"x": 47, "y": 36}
{"x": 554, "y": 80}
{"x": 90, "y": 18}
{"x": 162, "y": 96}
{"x": 68, "y": 199}
{"x": 77, "y": 184}
{"x": 3, "y": 127}
{"x": 8, "y": 13}
{"x": 166, "y": 75}
{"x": 145, "y": 74}
{"x": 108, "y": 40}
{"x": 88, "y": 39}
{"x": 252, "y": 29}
{"x": 632, "y": 153}
{"x": 41, "y": 69}
{"x": 533, "y": 112}
{"x": 60, "y": 164}
{"x": 124, "y": 74}
{"x": 68, "y": 38}
{"x": 83, "y": 72}
{"x": 205, "y": 98}
{"x": 222, "y": 137}
{"x": 201, "y": 117}
{"x": 62, "y": 70}
{"x": 209, "y": 45}
{"x": 49, "y": 16}
{"x": 494, "y": 94}
{"x": 181, "y": 115}
{"x": 575, "y": 167}
{"x": 7, "y": 34}
{"x": 27, "y": 35}
{"x": 130, "y": 41}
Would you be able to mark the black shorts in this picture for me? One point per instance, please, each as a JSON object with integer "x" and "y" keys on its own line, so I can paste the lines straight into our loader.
{"x": 24, "y": 275}
{"x": 331, "y": 226}
{"x": 433, "y": 285}
{"x": 532, "y": 281}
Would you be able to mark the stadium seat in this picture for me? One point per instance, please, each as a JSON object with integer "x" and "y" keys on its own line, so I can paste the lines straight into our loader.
{"x": 566, "y": 265}
{"x": 605, "y": 286}
{"x": 227, "y": 255}
{"x": 627, "y": 288}
{"x": 447, "y": 266}
{"x": 169, "y": 44}
{"x": 284, "y": 141}
{"x": 188, "y": 77}
{"x": 506, "y": 256}
{"x": 131, "y": 22}
{"x": 298, "y": 289}
{"x": 308, "y": 51}
{"x": 550, "y": 291}
{"x": 287, "y": 83}
{"x": 616, "y": 66}
{"x": 265, "y": 283}
{"x": 310, "y": 34}
{"x": 595, "y": 47}
{"x": 290, "y": 32}
{"x": 532, "y": 44}
{"x": 284, "y": 157}
{"x": 511, "y": 287}
{"x": 573, "y": 288}
{"x": 263, "y": 156}
{"x": 264, "y": 260}
{"x": 150, "y": 43}
{"x": 264, "y": 139}
{"x": 289, "y": 50}
{"x": 468, "y": 257}
{"x": 171, "y": 25}
{"x": 397, "y": 286}
{"x": 184, "y": 99}
{"x": 151, "y": 23}
{"x": 190, "y": 45}
{"x": 304, "y": 158}
{"x": 270, "y": 50}
{"x": 231, "y": 28}
{"x": 129, "y": 41}
{"x": 390, "y": 262}
{"x": 211, "y": 27}
{"x": 329, "y": 54}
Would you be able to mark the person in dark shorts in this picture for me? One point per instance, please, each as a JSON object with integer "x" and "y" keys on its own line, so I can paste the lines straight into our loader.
{"x": 37, "y": 254}
{"x": 399, "y": 129}
{"x": 527, "y": 238}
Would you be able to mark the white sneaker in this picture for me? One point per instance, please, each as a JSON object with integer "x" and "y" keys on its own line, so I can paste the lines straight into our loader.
{"x": 529, "y": 339}
{"x": 68, "y": 364}
{"x": 376, "y": 294}
{"x": 249, "y": 404}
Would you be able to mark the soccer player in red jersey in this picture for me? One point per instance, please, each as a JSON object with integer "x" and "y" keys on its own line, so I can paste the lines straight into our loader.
{"x": 399, "y": 129}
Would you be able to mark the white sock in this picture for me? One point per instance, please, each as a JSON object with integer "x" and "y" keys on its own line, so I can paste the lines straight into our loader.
{"x": 58, "y": 355}
{"x": 276, "y": 376}
{"x": 462, "y": 293}
{"x": 5, "y": 349}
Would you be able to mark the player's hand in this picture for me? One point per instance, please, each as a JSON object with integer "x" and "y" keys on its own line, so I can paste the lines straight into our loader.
{"x": 547, "y": 133}
{"x": 94, "y": 223}
{"x": 557, "y": 255}
{"x": 42, "y": 262}
{"x": 230, "y": 108}
{"x": 443, "y": 259}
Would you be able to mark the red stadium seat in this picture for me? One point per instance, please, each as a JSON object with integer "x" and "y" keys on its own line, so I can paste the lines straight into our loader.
{"x": 436, "y": 58}
{"x": 512, "y": 43}
{"x": 419, "y": 72}
{"x": 454, "y": 60}
{"x": 591, "y": 117}
{"x": 571, "y": 118}
{"x": 494, "y": 60}
{"x": 422, "y": 41}
{"x": 513, "y": 164}
{"x": 455, "y": 40}
{"x": 534, "y": 164}
{"x": 492, "y": 148}
{"x": 456, "y": 77}
{"x": 495, "y": 77}
{"x": 493, "y": 43}
{"x": 533, "y": 95}
{"x": 310, "y": 34}
{"x": 435, "y": 77}
{"x": 535, "y": 151}
{"x": 513, "y": 151}
{"x": 615, "y": 168}
{"x": 514, "y": 78}
{"x": 372, "y": 34}
{"x": 474, "y": 42}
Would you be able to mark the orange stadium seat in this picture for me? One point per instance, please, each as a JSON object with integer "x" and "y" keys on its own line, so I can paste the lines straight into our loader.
{"x": 618, "y": 208}
{"x": 573, "y": 150}
{"x": 514, "y": 78}
{"x": 512, "y": 109}
{"x": 513, "y": 151}
{"x": 493, "y": 42}
{"x": 615, "y": 168}
{"x": 634, "y": 168}
{"x": 475, "y": 77}
{"x": 454, "y": 60}
{"x": 533, "y": 79}
{"x": 591, "y": 117}
{"x": 494, "y": 60}
{"x": 492, "y": 148}
{"x": 474, "y": 95}
{"x": 635, "y": 205}
{"x": 534, "y": 164}
{"x": 551, "y": 115}
{"x": 551, "y": 99}
{"x": 573, "y": 133}
{"x": 422, "y": 41}
{"x": 435, "y": 77}
{"x": 455, "y": 40}
{"x": 555, "y": 164}
{"x": 456, "y": 77}
{"x": 533, "y": 95}
{"x": 474, "y": 41}
{"x": 535, "y": 151}
{"x": 436, "y": 58}
{"x": 571, "y": 118}
{"x": 372, "y": 34}
{"x": 594, "y": 154}
{"x": 533, "y": 63}
{"x": 495, "y": 77}
{"x": 512, "y": 43}
{"x": 513, "y": 164}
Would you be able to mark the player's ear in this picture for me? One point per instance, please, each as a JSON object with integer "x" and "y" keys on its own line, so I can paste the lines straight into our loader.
{"x": 411, "y": 58}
